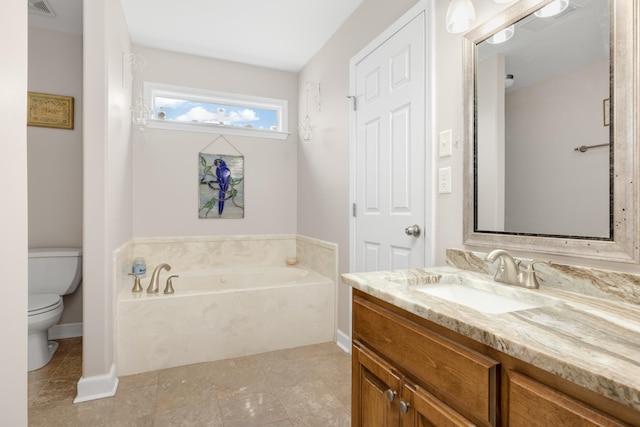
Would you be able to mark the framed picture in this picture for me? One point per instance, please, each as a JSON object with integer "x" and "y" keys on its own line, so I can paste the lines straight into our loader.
{"x": 51, "y": 111}
{"x": 606, "y": 106}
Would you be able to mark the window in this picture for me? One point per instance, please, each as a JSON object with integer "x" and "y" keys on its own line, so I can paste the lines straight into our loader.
{"x": 198, "y": 110}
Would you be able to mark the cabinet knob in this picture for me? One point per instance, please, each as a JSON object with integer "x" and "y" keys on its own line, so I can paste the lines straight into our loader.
{"x": 404, "y": 406}
{"x": 390, "y": 395}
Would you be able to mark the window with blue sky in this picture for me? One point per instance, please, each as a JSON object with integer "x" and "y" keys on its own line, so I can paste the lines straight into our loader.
{"x": 175, "y": 107}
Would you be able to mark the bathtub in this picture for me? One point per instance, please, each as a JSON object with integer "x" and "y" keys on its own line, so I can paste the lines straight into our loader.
{"x": 223, "y": 313}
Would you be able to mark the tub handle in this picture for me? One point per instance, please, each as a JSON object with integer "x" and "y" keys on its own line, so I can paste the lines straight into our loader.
{"x": 169, "y": 288}
{"x": 137, "y": 287}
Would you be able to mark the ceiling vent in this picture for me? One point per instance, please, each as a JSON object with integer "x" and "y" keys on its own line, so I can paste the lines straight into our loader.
{"x": 41, "y": 7}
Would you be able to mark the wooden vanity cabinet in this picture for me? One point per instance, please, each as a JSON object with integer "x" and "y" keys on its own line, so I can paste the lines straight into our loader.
{"x": 532, "y": 404}
{"x": 456, "y": 385}
{"x": 386, "y": 398}
{"x": 410, "y": 372}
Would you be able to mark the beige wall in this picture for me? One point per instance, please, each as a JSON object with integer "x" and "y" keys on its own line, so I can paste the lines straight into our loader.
{"x": 165, "y": 184}
{"x": 55, "y": 155}
{"x": 13, "y": 215}
{"x": 323, "y": 164}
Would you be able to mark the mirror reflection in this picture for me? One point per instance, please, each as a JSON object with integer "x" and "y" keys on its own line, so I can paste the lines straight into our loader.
{"x": 543, "y": 127}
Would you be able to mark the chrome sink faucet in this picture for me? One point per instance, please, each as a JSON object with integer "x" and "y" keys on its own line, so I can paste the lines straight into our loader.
{"x": 509, "y": 271}
{"x": 154, "y": 284}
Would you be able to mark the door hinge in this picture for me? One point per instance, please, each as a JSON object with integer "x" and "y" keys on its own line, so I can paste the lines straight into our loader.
{"x": 354, "y": 102}
{"x": 354, "y": 210}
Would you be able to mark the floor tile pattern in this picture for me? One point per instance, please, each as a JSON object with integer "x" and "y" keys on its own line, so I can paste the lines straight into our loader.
{"x": 301, "y": 387}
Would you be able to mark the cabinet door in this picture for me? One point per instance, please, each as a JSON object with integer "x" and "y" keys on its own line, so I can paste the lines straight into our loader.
{"x": 533, "y": 404}
{"x": 424, "y": 410}
{"x": 375, "y": 390}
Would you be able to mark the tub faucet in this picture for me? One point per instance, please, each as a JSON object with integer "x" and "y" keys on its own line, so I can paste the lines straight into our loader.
{"x": 155, "y": 278}
{"x": 508, "y": 270}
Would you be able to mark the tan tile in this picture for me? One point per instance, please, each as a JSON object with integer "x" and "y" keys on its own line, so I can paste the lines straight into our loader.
{"x": 34, "y": 388}
{"x": 251, "y": 410}
{"x": 190, "y": 416}
{"x": 94, "y": 413}
{"x": 336, "y": 417}
{"x": 71, "y": 367}
{"x": 145, "y": 379}
{"x": 135, "y": 403}
{"x": 141, "y": 421}
{"x": 68, "y": 346}
{"x": 182, "y": 393}
{"x": 57, "y": 390}
{"x": 47, "y": 370}
{"x": 307, "y": 397}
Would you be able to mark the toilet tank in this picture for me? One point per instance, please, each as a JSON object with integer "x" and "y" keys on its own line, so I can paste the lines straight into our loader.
{"x": 54, "y": 270}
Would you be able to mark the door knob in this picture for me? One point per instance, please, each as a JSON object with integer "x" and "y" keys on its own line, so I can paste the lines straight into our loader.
{"x": 404, "y": 406}
{"x": 414, "y": 230}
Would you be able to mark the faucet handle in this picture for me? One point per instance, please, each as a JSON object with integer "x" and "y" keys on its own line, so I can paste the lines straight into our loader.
{"x": 169, "y": 287}
{"x": 137, "y": 287}
{"x": 528, "y": 277}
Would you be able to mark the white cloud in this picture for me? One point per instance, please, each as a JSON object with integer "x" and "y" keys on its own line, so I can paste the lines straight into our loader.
{"x": 168, "y": 103}
{"x": 245, "y": 115}
{"x": 199, "y": 114}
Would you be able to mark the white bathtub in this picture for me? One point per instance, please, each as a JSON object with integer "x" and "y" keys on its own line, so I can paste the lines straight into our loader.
{"x": 223, "y": 313}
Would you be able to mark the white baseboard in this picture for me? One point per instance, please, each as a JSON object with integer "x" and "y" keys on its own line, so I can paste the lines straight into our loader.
{"x": 97, "y": 387}
{"x": 344, "y": 341}
{"x": 65, "y": 330}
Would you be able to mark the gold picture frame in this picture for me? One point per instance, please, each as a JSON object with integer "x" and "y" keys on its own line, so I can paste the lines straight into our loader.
{"x": 606, "y": 108}
{"x": 51, "y": 111}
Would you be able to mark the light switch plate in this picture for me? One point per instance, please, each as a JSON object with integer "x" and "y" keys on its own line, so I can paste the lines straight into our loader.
{"x": 444, "y": 180}
{"x": 445, "y": 143}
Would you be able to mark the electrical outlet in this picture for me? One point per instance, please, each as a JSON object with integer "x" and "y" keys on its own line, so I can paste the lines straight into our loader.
{"x": 445, "y": 143}
{"x": 444, "y": 180}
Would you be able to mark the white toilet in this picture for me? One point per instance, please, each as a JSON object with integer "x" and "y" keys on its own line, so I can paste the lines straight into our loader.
{"x": 53, "y": 272}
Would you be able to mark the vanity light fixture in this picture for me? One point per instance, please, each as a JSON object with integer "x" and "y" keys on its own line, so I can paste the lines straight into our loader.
{"x": 508, "y": 80}
{"x": 460, "y": 16}
{"x": 502, "y": 36}
{"x": 552, "y": 9}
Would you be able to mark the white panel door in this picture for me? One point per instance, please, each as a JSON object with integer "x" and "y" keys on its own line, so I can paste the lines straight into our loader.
{"x": 390, "y": 152}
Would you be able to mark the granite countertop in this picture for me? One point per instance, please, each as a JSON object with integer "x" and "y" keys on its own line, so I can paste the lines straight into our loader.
{"x": 590, "y": 341}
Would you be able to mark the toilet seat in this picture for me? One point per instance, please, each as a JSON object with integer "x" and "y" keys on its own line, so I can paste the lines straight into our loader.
{"x": 43, "y": 303}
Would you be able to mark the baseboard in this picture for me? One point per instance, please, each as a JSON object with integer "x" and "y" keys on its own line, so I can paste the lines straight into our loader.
{"x": 344, "y": 341}
{"x": 65, "y": 330}
{"x": 97, "y": 387}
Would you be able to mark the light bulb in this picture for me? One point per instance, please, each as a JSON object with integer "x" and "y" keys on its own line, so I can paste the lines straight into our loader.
{"x": 460, "y": 16}
{"x": 502, "y": 36}
{"x": 552, "y": 9}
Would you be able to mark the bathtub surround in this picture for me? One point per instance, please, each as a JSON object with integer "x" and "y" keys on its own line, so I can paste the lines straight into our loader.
{"x": 213, "y": 326}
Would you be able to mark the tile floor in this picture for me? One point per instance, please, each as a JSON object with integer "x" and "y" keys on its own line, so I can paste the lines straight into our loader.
{"x": 304, "y": 386}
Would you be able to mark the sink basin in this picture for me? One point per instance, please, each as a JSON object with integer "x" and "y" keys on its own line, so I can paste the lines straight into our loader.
{"x": 480, "y": 300}
{"x": 485, "y": 296}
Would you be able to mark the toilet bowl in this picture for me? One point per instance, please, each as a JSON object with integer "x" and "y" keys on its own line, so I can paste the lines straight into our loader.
{"x": 53, "y": 272}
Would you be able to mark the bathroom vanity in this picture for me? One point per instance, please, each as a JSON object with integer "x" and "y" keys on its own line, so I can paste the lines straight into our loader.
{"x": 420, "y": 360}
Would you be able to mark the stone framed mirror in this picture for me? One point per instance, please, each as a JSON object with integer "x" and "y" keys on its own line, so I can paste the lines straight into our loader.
{"x": 551, "y": 161}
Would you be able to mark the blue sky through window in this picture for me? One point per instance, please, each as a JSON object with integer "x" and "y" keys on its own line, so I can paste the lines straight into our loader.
{"x": 220, "y": 114}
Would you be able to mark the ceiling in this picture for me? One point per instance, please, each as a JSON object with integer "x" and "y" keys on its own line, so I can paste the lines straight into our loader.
{"x": 280, "y": 34}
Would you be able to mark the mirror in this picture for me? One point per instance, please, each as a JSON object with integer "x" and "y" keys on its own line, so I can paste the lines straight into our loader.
{"x": 550, "y": 132}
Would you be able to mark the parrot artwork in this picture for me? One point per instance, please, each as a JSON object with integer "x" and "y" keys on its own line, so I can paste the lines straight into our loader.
{"x": 223, "y": 174}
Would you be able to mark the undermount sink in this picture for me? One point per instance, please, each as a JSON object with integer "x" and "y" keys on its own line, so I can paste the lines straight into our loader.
{"x": 484, "y": 296}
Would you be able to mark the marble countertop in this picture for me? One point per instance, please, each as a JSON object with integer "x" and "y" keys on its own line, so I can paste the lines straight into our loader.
{"x": 590, "y": 341}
